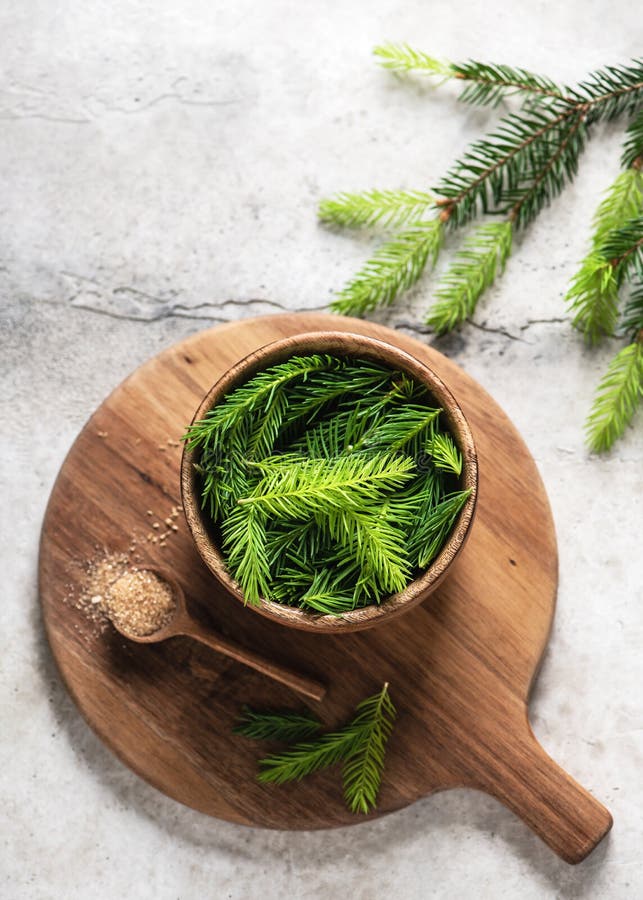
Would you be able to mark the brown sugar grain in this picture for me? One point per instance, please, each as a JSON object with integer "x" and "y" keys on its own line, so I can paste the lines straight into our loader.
{"x": 139, "y": 602}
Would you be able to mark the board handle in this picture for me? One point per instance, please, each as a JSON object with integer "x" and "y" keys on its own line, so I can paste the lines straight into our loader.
{"x": 303, "y": 684}
{"x": 561, "y": 812}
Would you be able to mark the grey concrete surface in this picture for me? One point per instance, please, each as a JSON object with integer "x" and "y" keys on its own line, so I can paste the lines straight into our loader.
{"x": 160, "y": 164}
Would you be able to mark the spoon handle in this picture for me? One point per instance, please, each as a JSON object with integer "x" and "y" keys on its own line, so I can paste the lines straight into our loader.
{"x": 301, "y": 683}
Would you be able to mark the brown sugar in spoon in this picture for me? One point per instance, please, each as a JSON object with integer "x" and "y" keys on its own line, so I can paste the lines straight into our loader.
{"x": 176, "y": 620}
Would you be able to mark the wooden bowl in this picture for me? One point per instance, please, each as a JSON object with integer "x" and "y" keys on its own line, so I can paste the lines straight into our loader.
{"x": 357, "y": 346}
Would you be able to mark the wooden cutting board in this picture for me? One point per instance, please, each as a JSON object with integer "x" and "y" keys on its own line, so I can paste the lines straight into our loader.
{"x": 460, "y": 665}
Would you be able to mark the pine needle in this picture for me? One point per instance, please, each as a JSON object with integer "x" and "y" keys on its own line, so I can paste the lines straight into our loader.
{"x": 474, "y": 269}
{"x": 618, "y": 395}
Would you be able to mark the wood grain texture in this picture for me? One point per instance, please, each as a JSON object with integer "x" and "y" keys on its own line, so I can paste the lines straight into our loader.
{"x": 460, "y": 665}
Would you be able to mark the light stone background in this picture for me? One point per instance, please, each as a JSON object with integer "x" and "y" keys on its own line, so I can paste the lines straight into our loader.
{"x": 160, "y": 164}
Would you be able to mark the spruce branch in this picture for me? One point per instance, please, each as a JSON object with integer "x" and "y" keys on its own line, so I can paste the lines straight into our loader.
{"x": 272, "y": 725}
{"x": 233, "y": 413}
{"x": 360, "y": 745}
{"x": 395, "y": 267}
{"x": 623, "y": 200}
{"x": 633, "y": 313}
{"x": 496, "y": 167}
{"x": 377, "y": 545}
{"x": 517, "y": 169}
{"x": 309, "y": 399}
{"x": 618, "y": 395}
{"x": 623, "y": 247}
{"x": 429, "y": 537}
{"x": 309, "y": 756}
{"x": 547, "y": 181}
{"x": 489, "y": 83}
{"x": 593, "y": 294}
{"x": 327, "y": 593}
{"x": 362, "y": 771}
{"x": 323, "y": 486}
{"x": 408, "y": 430}
{"x": 594, "y": 291}
{"x": 244, "y": 541}
{"x": 486, "y": 83}
{"x": 525, "y": 142}
{"x": 633, "y": 147}
{"x": 474, "y": 269}
{"x": 612, "y": 91}
{"x": 593, "y": 298}
{"x": 376, "y": 207}
{"x": 445, "y": 454}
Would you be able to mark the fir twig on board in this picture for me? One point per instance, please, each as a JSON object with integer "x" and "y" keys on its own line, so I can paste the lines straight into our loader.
{"x": 271, "y": 725}
{"x": 360, "y": 745}
{"x": 362, "y": 771}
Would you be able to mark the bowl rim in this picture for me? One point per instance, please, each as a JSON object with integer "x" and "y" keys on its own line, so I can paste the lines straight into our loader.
{"x": 341, "y": 343}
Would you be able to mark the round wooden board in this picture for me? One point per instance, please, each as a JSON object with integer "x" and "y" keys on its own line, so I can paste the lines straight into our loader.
{"x": 460, "y": 665}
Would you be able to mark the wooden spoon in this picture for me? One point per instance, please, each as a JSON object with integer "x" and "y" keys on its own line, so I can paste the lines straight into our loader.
{"x": 182, "y": 623}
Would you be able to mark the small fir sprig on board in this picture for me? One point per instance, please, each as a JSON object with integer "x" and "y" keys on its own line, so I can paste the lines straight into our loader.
{"x": 512, "y": 173}
{"x": 331, "y": 481}
{"x": 360, "y": 746}
{"x": 276, "y": 726}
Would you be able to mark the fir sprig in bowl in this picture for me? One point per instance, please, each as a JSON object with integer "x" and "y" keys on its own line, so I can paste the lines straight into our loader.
{"x": 329, "y": 481}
